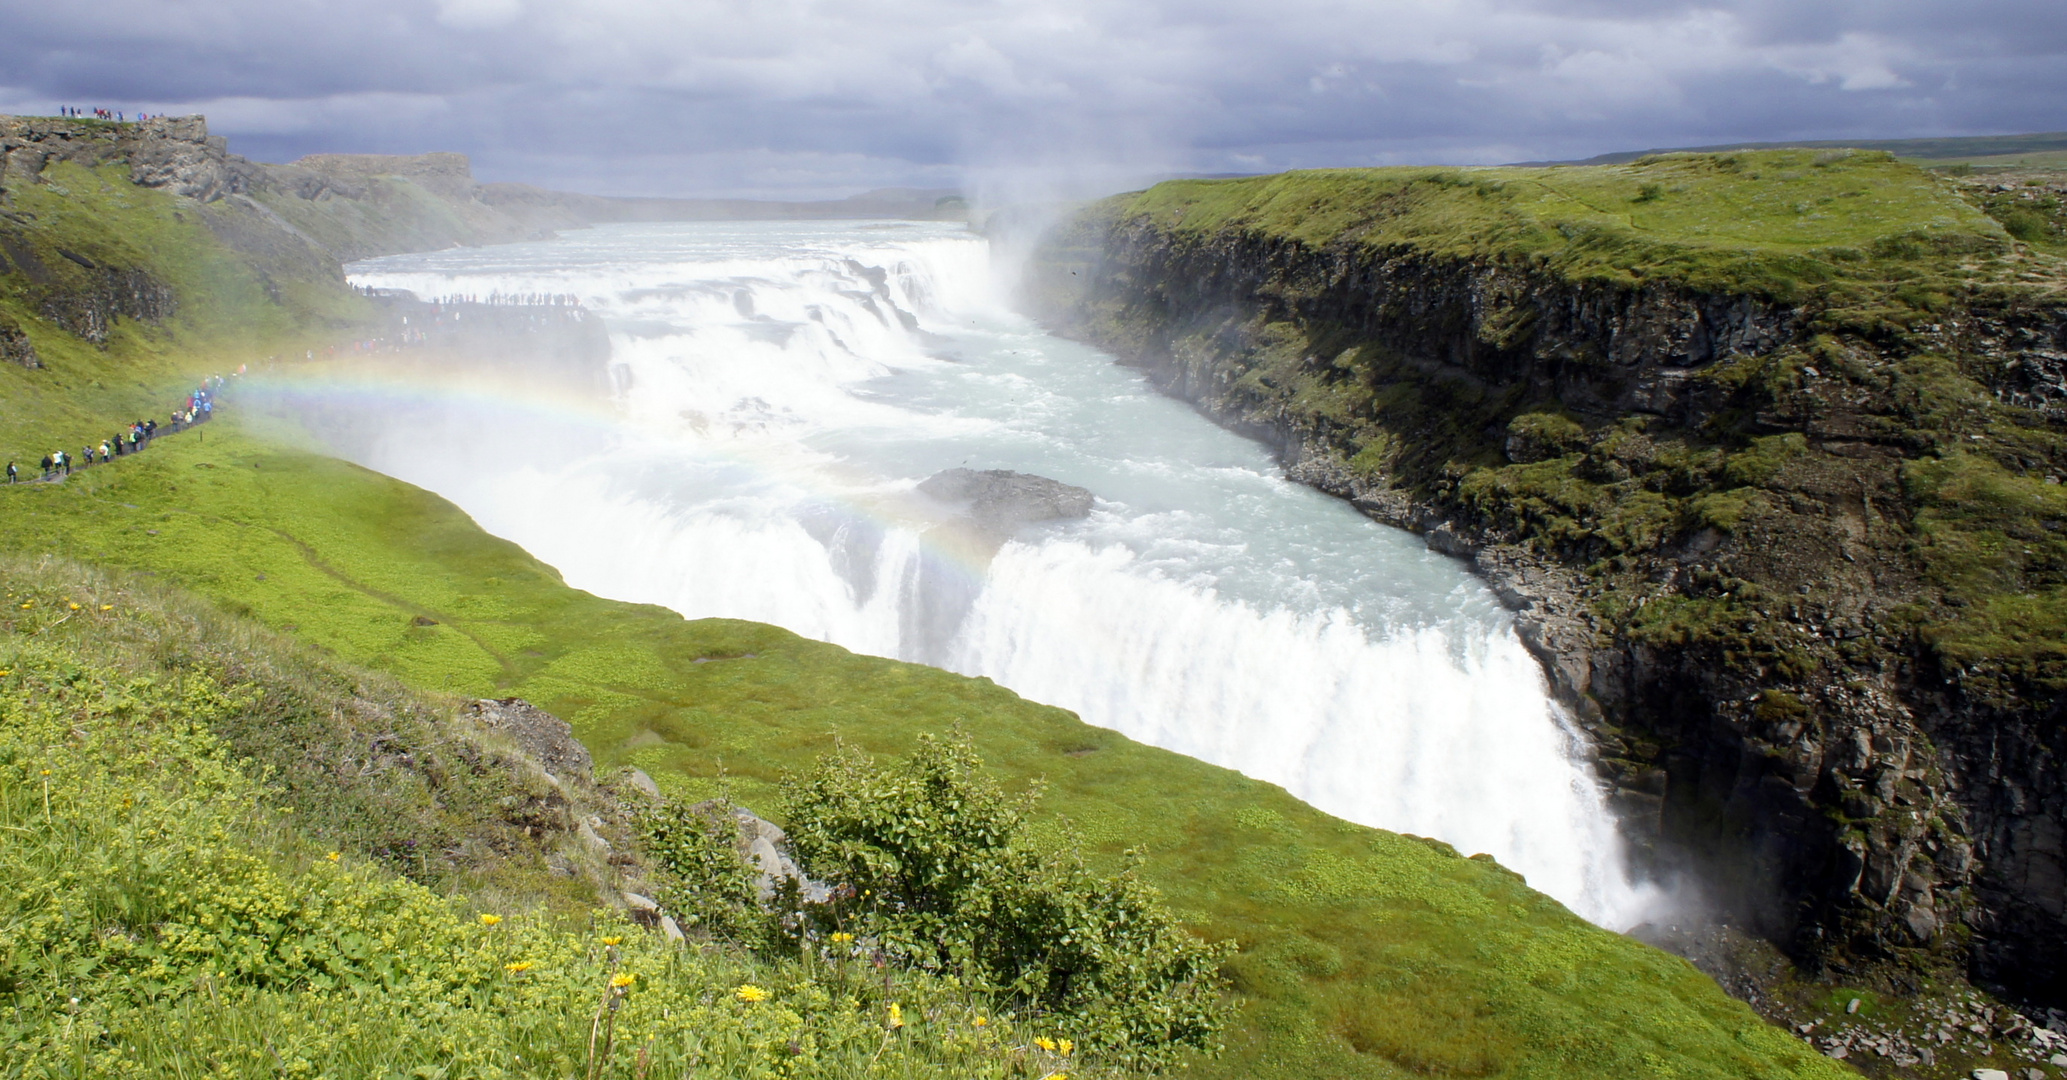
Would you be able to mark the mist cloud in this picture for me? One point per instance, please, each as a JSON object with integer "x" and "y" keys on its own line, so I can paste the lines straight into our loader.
{"x": 800, "y": 97}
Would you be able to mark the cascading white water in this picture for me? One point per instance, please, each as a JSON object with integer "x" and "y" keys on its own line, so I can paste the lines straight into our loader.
{"x": 782, "y": 387}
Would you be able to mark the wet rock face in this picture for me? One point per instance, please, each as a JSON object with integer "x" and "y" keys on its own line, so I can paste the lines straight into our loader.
{"x": 999, "y": 501}
{"x": 1858, "y": 810}
{"x": 541, "y": 734}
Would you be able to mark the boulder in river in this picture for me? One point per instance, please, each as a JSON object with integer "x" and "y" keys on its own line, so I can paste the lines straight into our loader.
{"x": 999, "y": 501}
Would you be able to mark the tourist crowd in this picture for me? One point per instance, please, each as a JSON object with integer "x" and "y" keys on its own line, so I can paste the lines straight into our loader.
{"x": 200, "y": 406}
{"x": 72, "y": 113}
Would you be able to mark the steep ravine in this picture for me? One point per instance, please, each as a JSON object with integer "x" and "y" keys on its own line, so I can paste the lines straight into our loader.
{"x": 1714, "y": 511}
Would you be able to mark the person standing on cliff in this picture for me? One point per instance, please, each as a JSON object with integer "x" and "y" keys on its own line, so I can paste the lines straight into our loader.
{"x": 13, "y": 474}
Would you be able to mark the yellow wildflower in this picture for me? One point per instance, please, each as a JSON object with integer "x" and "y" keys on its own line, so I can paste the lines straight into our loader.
{"x": 5, "y": 673}
{"x": 612, "y": 940}
{"x": 982, "y": 1021}
{"x": 1065, "y": 1047}
{"x": 1045, "y": 1043}
{"x": 751, "y": 993}
{"x": 107, "y": 607}
{"x": 518, "y": 968}
{"x": 334, "y": 856}
{"x": 28, "y": 604}
{"x": 46, "y": 772}
{"x": 73, "y": 607}
{"x": 619, "y": 982}
{"x": 896, "y": 1015}
{"x": 842, "y": 938}
{"x": 490, "y": 920}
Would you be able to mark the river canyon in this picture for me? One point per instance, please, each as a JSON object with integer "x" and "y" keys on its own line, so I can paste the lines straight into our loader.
{"x": 775, "y": 392}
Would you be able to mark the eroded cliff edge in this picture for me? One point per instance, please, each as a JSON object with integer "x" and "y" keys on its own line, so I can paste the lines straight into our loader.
{"x": 1765, "y": 449}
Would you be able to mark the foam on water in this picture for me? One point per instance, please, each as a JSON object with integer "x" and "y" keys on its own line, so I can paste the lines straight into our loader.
{"x": 782, "y": 387}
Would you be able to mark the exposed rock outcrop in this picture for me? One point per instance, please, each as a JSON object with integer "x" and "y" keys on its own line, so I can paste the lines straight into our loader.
{"x": 175, "y": 153}
{"x": 15, "y": 346}
{"x": 764, "y": 845}
{"x": 542, "y": 735}
{"x": 1000, "y": 501}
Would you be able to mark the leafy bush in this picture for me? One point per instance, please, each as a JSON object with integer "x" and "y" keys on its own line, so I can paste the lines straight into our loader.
{"x": 709, "y": 884}
{"x": 931, "y": 866}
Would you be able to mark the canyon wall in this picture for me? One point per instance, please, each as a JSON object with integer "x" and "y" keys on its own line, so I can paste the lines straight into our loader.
{"x": 1712, "y": 510}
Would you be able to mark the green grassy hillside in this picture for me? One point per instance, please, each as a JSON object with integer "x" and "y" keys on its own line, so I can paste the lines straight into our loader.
{"x": 1781, "y": 224}
{"x": 192, "y": 892}
{"x": 1362, "y": 953}
{"x": 1954, "y": 148}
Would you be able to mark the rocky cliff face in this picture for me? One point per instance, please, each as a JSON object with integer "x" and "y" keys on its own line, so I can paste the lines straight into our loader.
{"x": 1709, "y": 509}
{"x": 175, "y": 153}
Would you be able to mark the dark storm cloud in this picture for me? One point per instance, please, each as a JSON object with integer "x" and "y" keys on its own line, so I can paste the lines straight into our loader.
{"x": 807, "y": 96}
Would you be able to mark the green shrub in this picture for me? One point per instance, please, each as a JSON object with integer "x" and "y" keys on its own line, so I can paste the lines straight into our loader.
{"x": 930, "y": 865}
{"x": 710, "y": 884}
{"x": 2026, "y": 225}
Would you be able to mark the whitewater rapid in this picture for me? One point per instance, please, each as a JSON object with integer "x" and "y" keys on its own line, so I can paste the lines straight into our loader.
{"x": 778, "y": 389}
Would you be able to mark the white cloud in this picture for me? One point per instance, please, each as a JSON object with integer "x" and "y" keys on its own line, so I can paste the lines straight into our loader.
{"x": 479, "y": 14}
{"x": 1855, "y": 61}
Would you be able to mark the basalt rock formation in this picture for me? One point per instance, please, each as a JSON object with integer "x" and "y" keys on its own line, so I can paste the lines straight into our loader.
{"x": 1791, "y": 549}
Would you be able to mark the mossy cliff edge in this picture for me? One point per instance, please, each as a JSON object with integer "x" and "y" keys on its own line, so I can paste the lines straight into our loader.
{"x": 1765, "y": 449}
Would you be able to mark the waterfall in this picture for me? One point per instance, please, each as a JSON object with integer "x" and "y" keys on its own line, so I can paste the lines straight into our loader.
{"x": 778, "y": 390}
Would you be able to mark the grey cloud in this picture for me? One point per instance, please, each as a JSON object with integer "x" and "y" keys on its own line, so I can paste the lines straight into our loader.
{"x": 728, "y": 96}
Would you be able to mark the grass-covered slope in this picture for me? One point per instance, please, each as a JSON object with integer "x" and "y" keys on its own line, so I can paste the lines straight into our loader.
{"x": 124, "y": 293}
{"x": 184, "y": 898}
{"x": 1779, "y": 223}
{"x": 1364, "y": 953}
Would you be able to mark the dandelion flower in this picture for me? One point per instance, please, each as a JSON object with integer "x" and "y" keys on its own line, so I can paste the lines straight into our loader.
{"x": 982, "y": 1021}
{"x": 751, "y": 993}
{"x": 490, "y": 920}
{"x": 619, "y": 982}
{"x": 46, "y": 772}
{"x": 842, "y": 938}
{"x": 612, "y": 940}
{"x": 107, "y": 607}
{"x": 5, "y": 673}
{"x": 518, "y": 968}
{"x": 334, "y": 856}
{"x": 896, "y": 1015}
{"x": 1045, "y": 1043}
{"x": 73, "y": 607}
{"x": 1065, "y": 1047}
{"x": 28, "y": 605}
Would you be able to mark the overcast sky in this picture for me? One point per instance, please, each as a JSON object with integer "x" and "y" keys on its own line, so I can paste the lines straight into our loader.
{"x": 810, "y": 98}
